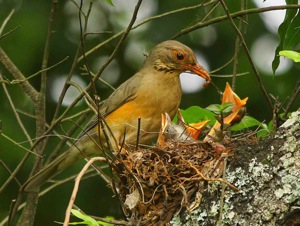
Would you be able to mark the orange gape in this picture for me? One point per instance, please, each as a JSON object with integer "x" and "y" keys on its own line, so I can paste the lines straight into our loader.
{"x": 238, "y": 112}
{"x": 152, "y": 91}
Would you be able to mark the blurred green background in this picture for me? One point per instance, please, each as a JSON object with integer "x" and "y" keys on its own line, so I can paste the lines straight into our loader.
{"x": 214, "y": 46}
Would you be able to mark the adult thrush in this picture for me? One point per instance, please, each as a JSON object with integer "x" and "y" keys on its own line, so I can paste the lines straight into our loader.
{"x": 152, "y": 91}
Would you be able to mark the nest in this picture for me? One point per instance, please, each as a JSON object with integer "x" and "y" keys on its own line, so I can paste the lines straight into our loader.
{"x": 155, "y": 184}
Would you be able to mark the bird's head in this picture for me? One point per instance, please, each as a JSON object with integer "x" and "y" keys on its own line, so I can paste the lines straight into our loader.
{"x": 174, "y": 57}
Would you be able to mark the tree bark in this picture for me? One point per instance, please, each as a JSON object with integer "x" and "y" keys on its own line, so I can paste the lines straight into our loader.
{"x": 267, "y": 174}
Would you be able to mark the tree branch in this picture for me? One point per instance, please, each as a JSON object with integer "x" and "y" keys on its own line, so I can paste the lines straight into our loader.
{"x": 233, "y": 15}
{"x": 28, "y": 214}
{"x": 256, "y": 73}
{"x": 17, "y": 74}
{"x": 144, "y": 22}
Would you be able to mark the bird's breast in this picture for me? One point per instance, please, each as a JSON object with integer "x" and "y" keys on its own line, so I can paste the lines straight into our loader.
{"x": 151, "y": 100}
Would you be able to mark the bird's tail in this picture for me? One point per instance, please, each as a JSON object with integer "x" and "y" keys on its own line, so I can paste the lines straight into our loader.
{"x": 59, "y": 164}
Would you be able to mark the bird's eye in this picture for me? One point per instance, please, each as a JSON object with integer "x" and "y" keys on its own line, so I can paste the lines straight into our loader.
{"x": 180, "y": 56}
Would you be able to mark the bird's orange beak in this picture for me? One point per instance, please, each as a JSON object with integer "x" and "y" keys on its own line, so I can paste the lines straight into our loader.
{"x": 199, "y": 70}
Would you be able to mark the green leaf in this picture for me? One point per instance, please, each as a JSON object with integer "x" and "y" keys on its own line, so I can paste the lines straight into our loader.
{"x": 263, "y": 132}
{"x": 226, "y": 108}
{"x": 245, "y": 123}
{"x": 197, "y": 114}
{"x": 87, "y": 220}
{"x": 295, "y": 56}
{"x": 292, "y": 37}
{"x": 266, "y": 130}
{"x": 284, "y": 32}
{"x": 215, "y": 108}
{"x": 110, "y": 2}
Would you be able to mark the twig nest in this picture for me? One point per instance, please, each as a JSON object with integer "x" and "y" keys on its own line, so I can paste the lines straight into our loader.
{"x": 155, "y": 184}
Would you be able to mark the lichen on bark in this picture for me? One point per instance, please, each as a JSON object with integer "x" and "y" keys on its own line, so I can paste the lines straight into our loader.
{"x": 267, "y": 174}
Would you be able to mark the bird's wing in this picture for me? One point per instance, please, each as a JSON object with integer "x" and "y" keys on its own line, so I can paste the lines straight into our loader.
{"x": 124, "y": 93}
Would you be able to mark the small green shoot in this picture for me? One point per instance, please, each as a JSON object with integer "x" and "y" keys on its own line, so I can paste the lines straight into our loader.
{"x": 87, "y": 220}
{"x": 221, "y": 109}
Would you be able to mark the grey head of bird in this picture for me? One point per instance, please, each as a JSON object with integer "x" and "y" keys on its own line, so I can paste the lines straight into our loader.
{"x": 171, "y": 133}
{"x": 174, "y": 57}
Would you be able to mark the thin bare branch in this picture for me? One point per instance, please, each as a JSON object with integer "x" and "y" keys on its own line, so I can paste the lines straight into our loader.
{"x": 83, "y": 30}
{"x": 295, "y": 95}
{"x": 76, "y": 186}
{"x": 17, "y": 74}
{"x": 144, "y": 22}
{"x": 6, "y": 21}
{"x": 238, "y": 46}
{"x": 39, "y": 72}
{"x": 51, "y": 187}
{"x": 233, "y": 15}
{"x": 256, "y": 73}
{"x": 100, "y": 79}
{"x": 10, "y": 172}
{"x": 124, "y": 36}
{"x": 89, "y": 101}
{"x": 83, "y": 116}
{"x": 9, "y": 32}
{"x": 28, "y": 214}
{"x": 18, "y": 145}
{"x": 18, "y": 119}
{"x": 229, "y": 75}
{"x": 57, "y": 120}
